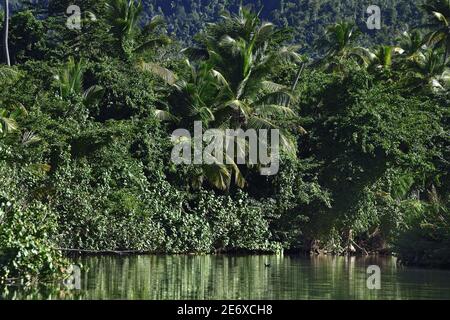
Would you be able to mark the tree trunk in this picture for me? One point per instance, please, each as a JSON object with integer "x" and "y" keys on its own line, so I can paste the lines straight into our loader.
{"x": 447, "y": 48}
{"x": 6, "y": 32}
{"x": 297, "y": 78}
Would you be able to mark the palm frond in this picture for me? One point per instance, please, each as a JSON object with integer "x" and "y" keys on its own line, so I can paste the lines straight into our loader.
{"x": 8, "y": 118}
{"x": 70, "y": 78}
{"x": 152, "y": 44}
{"x": 29, "y": 137}
{"x": 268, "y": 110}
{"x": 218, "y": 176}
{"x": 165, "y": 74}
{"x": 196, "y": 53}
{"x": 7, "y": 125}
{"x": 93, "y": 95}
{"x": 221, "y": 79}
{"x": 163, "y": 115}
{"x": 153, "y": 25}
{"x": 271, "y": 86}
{"x": 277, "y": 97}
{"x": 287, "y": 144}
{"x": 440, "y": 17}
{"x": 264, "y": 32}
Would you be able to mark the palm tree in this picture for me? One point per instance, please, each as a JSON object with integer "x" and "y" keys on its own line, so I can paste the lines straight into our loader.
{"x": 229, "y": 85}
{"x": 124, "y": 17}
{"x": 148, "y": 39}
{"x": 383, "y": 56}
{"x": 247, "y": 98}
{"x": 238, "y": 94}
{"x": 411, "y": 43}
{"x": 191, "y": 101}
{"x": 430, "y": 69}
{"x": 193, "y": 97}
{"x": 439, "y": 16}
{"x": 338, "y": 45}
{"x": 70, "y": 82}
{"x": 6, "y": 32}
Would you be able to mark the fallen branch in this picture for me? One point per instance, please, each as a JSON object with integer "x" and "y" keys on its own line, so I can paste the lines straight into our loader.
{"x": 360, "y": 248}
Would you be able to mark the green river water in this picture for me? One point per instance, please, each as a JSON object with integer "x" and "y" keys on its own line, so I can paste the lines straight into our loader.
{"x": 241, "y": 277}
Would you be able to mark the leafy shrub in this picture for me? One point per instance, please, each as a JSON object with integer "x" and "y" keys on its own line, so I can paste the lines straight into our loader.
{"x": 26, "y": 230}
{"x": 424, "y": 235}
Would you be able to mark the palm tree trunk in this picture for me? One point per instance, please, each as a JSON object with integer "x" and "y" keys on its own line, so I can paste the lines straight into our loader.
{"x": 6, "y": 32}
{"x": 297, "y": 78}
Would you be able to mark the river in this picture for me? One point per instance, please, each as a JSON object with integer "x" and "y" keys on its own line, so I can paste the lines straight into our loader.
{"x": 241, "y": 277}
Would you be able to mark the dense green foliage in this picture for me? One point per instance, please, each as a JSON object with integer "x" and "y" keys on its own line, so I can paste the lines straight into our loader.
{"x": 307, "y": 18}
{"x": 86, "y": 117}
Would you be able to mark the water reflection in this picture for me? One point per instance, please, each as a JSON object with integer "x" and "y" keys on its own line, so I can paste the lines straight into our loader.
{"x": 243, "y": 277}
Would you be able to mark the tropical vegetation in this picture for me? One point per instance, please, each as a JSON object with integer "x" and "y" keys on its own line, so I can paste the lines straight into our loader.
{"x": 86, "y": 117}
